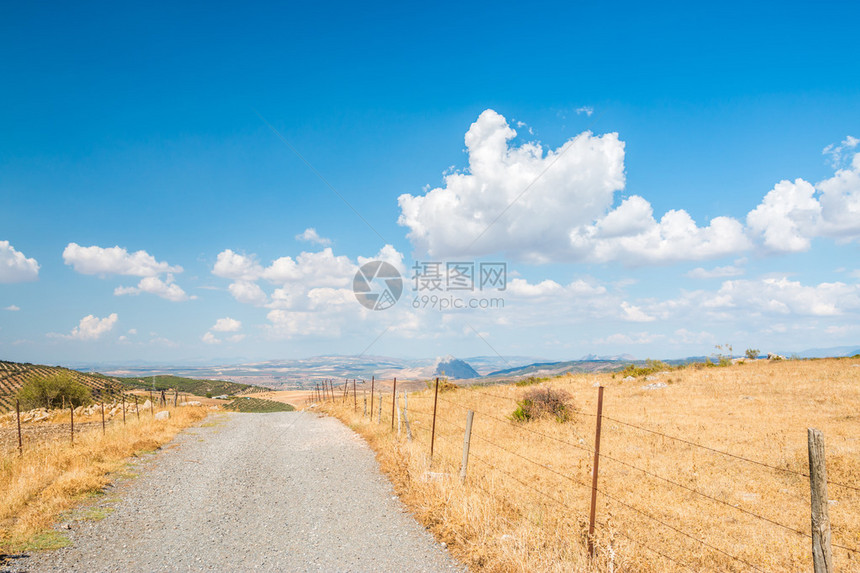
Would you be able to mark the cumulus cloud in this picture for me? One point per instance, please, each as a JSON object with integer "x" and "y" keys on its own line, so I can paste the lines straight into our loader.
{"x": 795, "y": 212}
{"x": 227, "y": 324}
{"x": 231, "y": 265}
{"x": 114, "y": 261}
{"x": 91, "y": 327}
{"x": 541, "y": 205}
{"x": 310, "y": 236}
{"x": 586, "y": 109}
{"x": 12, "y": 308}
{"x": 15, "y": 267}
{"x": 95, "y": 260}
{"x": 210, "y": 338}
{"x": 166, "y": 289}
{"x": 301, "y": 282}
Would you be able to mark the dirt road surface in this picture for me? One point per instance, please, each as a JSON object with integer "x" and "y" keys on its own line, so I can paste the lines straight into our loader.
{"x": 286, "y": 491}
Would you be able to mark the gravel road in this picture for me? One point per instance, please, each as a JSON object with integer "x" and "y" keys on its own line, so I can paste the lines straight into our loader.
{"x": 286, "y": 491}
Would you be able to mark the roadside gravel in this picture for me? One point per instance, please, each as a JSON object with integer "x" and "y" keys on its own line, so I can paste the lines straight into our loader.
{"x": 252, "y": 492}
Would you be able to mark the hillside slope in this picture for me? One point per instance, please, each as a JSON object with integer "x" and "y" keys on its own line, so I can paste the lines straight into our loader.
{"x": 198, "y": 387}
{"x": 13, "y": 375}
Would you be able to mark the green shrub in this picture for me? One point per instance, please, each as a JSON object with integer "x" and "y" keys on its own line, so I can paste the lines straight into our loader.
{"x": 651, "y": 366}
{"x": 752, "y": 353}
{"x": 530, "y": 381}
{"x": 52, "y": 391}
{"x": 541, "y": 402}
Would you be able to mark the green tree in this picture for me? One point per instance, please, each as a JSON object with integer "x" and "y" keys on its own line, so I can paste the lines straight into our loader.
{"x": 752, "y": 353}
{"x": 51, "y": 391}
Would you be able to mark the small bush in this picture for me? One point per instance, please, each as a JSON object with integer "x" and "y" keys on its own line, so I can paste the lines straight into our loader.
{"x": 542, "y": 402}
{"x": 752, "y": 353}
{"x": 444, "y": 385}
{"x": 52, "y": 391}
{"x": 530, "y": 381}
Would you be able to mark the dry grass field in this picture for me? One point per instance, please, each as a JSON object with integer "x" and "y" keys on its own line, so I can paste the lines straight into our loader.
{"x": 52, "y": 475}
{"x": 664, "y": 504}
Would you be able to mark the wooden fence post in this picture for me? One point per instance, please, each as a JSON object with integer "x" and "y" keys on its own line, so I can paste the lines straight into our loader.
{"x": 372, "y": 383}
{"x": 365, "y": 402}
{"x": 379, "y": 413}
{"x": 393, "y": 402}
{"x": 123, "y": 408}
{"x": 822, "y": 554}
{"x": 466, "y": 438}
{"x": 20, "y": 440}
{"x": 136, "y": 408}
{"x": 103, "y": 417}
{"x": 151, "y": 407}
{"x": 433, "y": 431}
{"x": 406, "y": 416}
{"x": 72, "y": 423}
{"x": 354, "y": 397}
{"x": 593, "y": 512}
{"x": 399, "y": 422}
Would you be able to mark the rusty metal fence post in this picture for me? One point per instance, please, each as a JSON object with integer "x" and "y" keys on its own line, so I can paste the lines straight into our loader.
{"x": 466, "y": 438}
{"x": 433, "y": 431}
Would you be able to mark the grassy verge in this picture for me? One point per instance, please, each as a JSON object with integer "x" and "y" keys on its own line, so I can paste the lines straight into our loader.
{"x": 525, "y": 503}
{"x": 257, "y": 405}
{"x": 52, "y": 477}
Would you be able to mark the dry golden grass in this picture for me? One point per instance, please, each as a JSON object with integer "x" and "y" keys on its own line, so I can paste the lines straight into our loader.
{"x": 52, "y": 476}
{"x": 516, "y": 515}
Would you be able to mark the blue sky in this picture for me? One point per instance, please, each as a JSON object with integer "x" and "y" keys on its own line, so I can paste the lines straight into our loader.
{"x": 152, "y": 127}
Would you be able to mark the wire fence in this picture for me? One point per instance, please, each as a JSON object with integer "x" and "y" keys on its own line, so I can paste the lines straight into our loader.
{"x": 556, "y": 457}
{"x": 108, "y": 407}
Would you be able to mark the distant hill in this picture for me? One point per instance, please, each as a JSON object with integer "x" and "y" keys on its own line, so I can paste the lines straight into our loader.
{"x": 198, "y": 387}
{"x": 455, "y": 369}
{"x": 555, "y": 368}
{"x": 13, "y": 375}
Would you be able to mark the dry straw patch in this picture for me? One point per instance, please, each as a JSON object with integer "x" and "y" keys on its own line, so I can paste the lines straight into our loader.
{"x": 515, "y": 514}
{"x": 53, "y": 475}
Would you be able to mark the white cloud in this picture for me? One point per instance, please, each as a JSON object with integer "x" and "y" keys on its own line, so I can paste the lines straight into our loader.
{"x": 91, "y": 328}
{"x": 586, "y": 109}
{"x": 227, "y": 324}
{"x": 166, "y": 289}
{"x": 114, "y": 260}
{"x": 317, "y": 269}
{"x": 209, "y": 338}
{"x": 310, "y": 236}
{"x": 839, "y": 152}
{"x": 231, "y": 265}
{"x": 690, "y": 337}
{"x": 15, "y": 267}
{"x": 13, "y": 308}
{"x": 554, "y": 205}
{"x": 632, "y": 338}
{"x": 716, "y": 272}
{"x": 633, "y": 313}
{"x": 248, "y": 293}
{"x": 794, "y": 213}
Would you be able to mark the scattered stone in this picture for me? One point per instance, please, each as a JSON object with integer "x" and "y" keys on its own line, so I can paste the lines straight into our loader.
{"x": 163, "y": 415}
{"x": 628, "y": 379}
{"x": 655, "y": 386}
